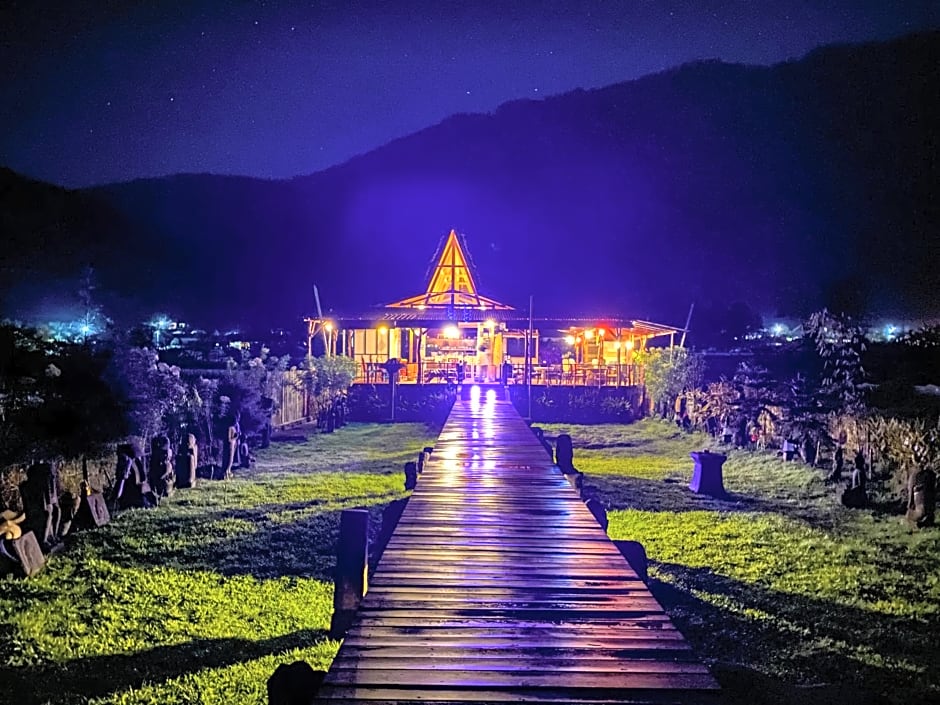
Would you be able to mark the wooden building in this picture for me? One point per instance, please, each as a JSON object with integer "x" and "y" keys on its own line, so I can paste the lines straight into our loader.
{"x": 452, "y": 333}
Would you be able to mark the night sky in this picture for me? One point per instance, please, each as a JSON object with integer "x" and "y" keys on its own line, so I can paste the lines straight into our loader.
{"x": 115, "y": 90}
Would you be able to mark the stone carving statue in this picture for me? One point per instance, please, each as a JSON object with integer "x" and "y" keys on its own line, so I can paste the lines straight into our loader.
{"x": 922, "y": 497}
{"x": 132, "y": 488}
{"x": 187, "y": 460}
{"x": 838, "y": 464}
{"x": 160, "y": 475}
{"x": 856, "y": 495}
{"x": 229, "y": 450}
{"x": 40, "y": 493}
{"x": 10, "y": 523}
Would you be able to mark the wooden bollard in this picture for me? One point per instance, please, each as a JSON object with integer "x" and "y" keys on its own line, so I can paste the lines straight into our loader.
{"x": 423, "y": 457}
{"x": 576, "y": 479}
{"x": 597, "y": 509}
{"x": 293, "y": 683}
{"x": 429, "y": 450}
{"x": 411, "y": 475}
{"x": 635, "y": 554}
{"x": 564, "y": 453}
{"x": 352, "y": 568}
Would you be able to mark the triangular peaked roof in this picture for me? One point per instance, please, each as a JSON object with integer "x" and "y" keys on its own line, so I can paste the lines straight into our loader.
{"x": 451, "y": 284}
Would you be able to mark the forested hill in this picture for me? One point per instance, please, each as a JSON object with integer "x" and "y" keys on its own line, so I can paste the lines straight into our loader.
{"x": 788, "y": 187}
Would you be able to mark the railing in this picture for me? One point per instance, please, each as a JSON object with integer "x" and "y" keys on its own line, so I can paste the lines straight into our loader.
{"x": 561, "y": 375}
{"x": 582, "y": 375}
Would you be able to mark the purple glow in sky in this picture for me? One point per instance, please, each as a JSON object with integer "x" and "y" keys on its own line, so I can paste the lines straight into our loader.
{"x": 115, "y": 90}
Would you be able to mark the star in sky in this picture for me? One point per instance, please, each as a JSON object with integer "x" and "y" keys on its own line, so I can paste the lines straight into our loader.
{"x": 356, "y": 74}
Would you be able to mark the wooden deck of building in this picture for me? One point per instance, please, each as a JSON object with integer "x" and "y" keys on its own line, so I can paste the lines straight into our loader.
{"x": 498, "y": 585}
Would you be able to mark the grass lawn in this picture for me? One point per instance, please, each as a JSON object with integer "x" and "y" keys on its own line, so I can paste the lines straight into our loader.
{"x": 789, "y": 596}
{"x": 197, "y": 601}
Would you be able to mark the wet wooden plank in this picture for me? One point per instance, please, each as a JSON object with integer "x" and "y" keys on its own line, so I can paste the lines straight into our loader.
{"x": 499, "y": 586}
{"x": 439, "y": 678}
{"x": 571, "y": 696}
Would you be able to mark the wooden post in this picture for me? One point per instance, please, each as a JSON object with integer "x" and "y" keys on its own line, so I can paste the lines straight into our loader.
{"x": 635, "y": 555}
{"x": 564, "y": 453}
{"x": 411, "y": 475}
{"x": 597, "y": 509}
{"x": 352, "y": 569}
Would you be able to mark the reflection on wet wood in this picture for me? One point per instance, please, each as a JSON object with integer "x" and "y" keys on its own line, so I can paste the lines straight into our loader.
{"x": 499, "y": 586}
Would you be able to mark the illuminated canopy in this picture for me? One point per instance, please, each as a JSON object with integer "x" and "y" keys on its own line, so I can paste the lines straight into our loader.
{"x": 451, "y": 284}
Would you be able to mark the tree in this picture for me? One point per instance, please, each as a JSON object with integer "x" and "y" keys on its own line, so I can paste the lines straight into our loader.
{"x": 840, "y": 343}
{"x": 668, "y": 372}
{"x": 334, "y": 374}
{"x": 148, "y": 391}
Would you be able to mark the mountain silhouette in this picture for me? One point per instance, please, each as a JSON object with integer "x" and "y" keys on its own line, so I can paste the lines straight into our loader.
{"x": 785, "y": 188}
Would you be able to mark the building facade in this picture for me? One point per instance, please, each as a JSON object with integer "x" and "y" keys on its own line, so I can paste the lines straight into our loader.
{"x": 451, "y": 333}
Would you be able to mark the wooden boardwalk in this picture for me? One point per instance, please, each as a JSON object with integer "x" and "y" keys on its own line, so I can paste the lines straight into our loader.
{"x": 499, "y": 586}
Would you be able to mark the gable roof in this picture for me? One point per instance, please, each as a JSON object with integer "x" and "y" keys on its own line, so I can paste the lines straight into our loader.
{"x": 451, "y": 284}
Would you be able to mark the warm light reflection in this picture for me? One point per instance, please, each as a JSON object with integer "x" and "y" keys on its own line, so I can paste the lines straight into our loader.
{"x": 569, "y": 339}
{"x": 475, "y": 463}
